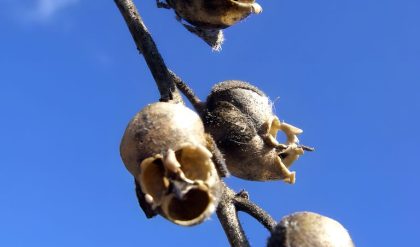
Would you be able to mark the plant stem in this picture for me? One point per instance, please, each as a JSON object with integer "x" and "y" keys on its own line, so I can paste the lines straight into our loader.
{"x": 147, "y": 47}
{"x": 228, "y": 217}
{"x": 188, "y": 92}
{"x": 245, "y": 205}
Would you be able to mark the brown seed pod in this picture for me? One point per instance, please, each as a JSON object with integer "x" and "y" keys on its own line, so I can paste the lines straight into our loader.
{"x": 165, "y": 148}
{"x": 240, "y": 118}
{"x": 214, "y": 14}
{"x": 207, "y": 18}
{"x": 307, "y": 229}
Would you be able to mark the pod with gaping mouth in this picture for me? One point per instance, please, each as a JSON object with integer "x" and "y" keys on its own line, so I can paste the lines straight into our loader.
{"x": 240, "y": 118}
{"x": 165, "y": 148}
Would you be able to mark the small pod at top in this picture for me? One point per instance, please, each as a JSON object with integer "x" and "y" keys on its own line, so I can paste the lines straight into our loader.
{"x": 214, "y": 14}
{"x": 306, "y": 229}
{"x": 239, "y": 116}
{"x": 165, "y": 148}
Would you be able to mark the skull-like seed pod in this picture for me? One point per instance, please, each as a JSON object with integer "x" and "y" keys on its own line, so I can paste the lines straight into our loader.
{"x": 208, "y": 17}
{"x": 240, "y": 118}
{"x": 307, "y": 229}
{"x": 165, "y": 148}
{"x": 214, "y": 14}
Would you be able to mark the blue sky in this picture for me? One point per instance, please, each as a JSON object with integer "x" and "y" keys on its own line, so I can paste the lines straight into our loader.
{"x": 346, "y": 72}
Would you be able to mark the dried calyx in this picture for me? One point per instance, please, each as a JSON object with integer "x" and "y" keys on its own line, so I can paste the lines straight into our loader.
{"x": 306, "y": 229}
{"x": 164, "y": 147}
{"x": 240, "y": 118}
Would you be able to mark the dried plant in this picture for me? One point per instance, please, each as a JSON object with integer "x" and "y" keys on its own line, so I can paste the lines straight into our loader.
{"x": 178, "y": 157}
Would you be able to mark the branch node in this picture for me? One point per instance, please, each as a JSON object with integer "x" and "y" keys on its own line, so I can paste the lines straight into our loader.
{"x": 243, "y": 194}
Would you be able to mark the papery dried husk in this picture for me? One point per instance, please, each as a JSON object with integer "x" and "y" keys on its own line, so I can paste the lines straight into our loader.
{"x": 241, "y": 120}
{"x": 165, "y": 148}
{"x": 306, "y": 229}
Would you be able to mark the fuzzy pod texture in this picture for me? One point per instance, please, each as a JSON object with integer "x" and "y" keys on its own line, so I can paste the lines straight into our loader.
{"x": 240, "y": 118}
{"x": 214, "y": 14}
{"x": 165, "y": 148}
{"x": 306, "y": 229}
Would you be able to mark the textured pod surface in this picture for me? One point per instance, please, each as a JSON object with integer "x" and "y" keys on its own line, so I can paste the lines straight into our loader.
{"x": 307, "y": 229}
{"x": 214, "y": 13}
{"x": 157, "y": 128}
{"x": 165, "y": 148}
{"x": 240, "y": 118}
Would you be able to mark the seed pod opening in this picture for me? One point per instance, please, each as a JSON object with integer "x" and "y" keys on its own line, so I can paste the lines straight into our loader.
{"x": 153, "y": 181}
{"x": 193, "y": 208}
{"x": 165, "y": 148}
{"x": 195, "y": 162}
{"x": 240, "y": 118}
{"x": 306, "y": 229}
{"x": 186, "y": 193}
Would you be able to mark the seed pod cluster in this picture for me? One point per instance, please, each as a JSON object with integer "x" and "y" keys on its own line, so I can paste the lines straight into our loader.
{"x": 165, "y": 148}
{"x": 214, "y": 14}
{"x": 307, "y": 229}
{"x": 239, "y": 116}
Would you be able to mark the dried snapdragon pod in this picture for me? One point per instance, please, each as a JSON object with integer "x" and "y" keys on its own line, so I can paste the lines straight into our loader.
{"x": 240, "y": 118}
{"x": 208, "y": 17}
{"x": 214, "y": 14}
{"x": 165, "y": 148}
{"x": 307, "y": 229}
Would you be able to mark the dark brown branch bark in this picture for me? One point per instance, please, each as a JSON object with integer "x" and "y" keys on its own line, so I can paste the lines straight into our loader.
{"x": 228, "y": 217}
{"x": 227, "y": 212}
{"x": 147, "y": 46}
{"x": 245, "y": 205}
{"x": 188, "y": 92}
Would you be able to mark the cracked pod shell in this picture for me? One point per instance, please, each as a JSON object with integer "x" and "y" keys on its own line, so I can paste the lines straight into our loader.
{"x": 214, "y": 14}
{"x": 240, "y": 118}
{"x": 164, "y": 148}
{"x": 306, "y": 229}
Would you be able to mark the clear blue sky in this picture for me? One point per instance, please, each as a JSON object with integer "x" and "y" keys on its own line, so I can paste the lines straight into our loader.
{"x": 346, "y": 72}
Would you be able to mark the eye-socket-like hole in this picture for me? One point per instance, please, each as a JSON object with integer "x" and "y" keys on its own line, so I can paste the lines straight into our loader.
{"x": 280, "y": 136}
{"x": 192, "y": 206}
{"x": 288, "y": 132}
{"x": 283, "y": 155}
{"x": 195, "y": 164}
{"x": 272, "y": 129}
{"x": 152, "y": 178}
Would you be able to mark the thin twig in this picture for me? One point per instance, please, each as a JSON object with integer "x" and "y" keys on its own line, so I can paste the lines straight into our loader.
{"x": 218, "y": 159}
{"x": 245, "y": 205}
{"x": 228, "y": 217}
{"x": 306, "y": 148}
{"x": 227, "y": 212}
{"x": 188, "y": 92}
{"x": 147, "y": 46}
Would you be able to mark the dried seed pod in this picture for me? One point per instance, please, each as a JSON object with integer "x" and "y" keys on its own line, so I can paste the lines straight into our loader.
{"x": 208, "y": 17}
{"x": 307, "y": 229}
{"x": 165, "y": 148}
{"x": 240, "y": 118}
{"x": 214, "y": 14}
